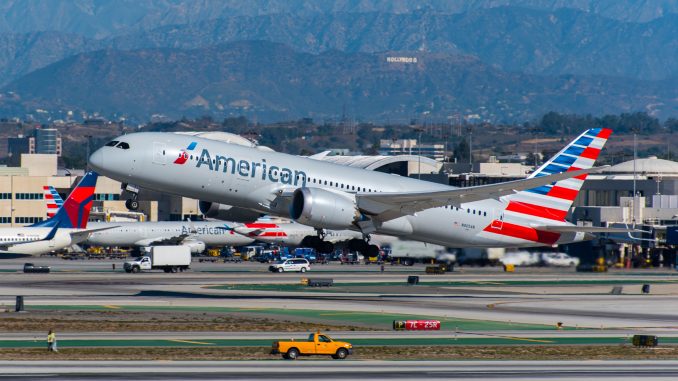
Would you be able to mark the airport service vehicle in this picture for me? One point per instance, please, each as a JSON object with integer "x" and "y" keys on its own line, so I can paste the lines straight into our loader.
{"x": 521, "y": 258}
{"x": 480, "y": 256}
{"x": 295, "y": 264}
{"x": 167, "y": 258}
{"x": 317, "y": 344}
{"x": 522, "y": 213}
{"x": 68, "y": 226}
{"x": 31, "y": 268}
{"x": 409, "y": 252}
{"x": 559, "y": 259}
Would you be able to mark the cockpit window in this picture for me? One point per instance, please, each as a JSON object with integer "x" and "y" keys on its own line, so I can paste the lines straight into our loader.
{"x": 122, "y": 145}
{"x": 112, "y": 143}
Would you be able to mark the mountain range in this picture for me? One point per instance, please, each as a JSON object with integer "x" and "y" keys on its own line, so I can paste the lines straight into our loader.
{"x": 585, "y": 56}
{"x": 272, "y": 81}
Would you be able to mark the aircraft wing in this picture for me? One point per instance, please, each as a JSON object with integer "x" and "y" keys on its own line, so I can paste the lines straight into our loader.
{"x": 172, "y": 240}
{"x": 387, "y": 206}
{"x": 82, "y": 234}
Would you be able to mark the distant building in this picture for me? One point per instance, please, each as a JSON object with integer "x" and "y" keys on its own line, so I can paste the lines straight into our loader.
{"x": 42, "y": 141}
{"x": 18, "y": 146}
{"x": 47, "y": 141}
{"x": 391, "y": 147}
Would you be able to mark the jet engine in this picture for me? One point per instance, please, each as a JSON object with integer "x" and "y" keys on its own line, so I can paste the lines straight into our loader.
{"x": 227, "y": 212}
{"x": 323, "y": 209}
{"x": 197, "y": 247}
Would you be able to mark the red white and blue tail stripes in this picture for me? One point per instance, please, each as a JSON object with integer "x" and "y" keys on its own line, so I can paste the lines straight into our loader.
{"x": 549, "y": 204}
{"x": 552, "y": 202}
{"x": 54, "y": 201}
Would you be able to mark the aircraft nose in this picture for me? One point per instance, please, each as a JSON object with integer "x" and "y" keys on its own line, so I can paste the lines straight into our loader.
{"x": 96, "y": 160}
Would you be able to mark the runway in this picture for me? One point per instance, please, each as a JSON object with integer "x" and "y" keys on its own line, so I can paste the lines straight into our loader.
{"x": 530, "y": 296}
{"x": 341, "y": 370}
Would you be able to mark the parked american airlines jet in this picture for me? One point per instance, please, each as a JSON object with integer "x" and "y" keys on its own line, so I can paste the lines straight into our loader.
{"x": 521, "y": 213}
{"x": 197, "y": 235}
{"x": 67, "y": 227}
{"x": 298, "y": 235}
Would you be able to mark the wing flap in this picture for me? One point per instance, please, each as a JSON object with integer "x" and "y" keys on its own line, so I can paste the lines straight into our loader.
{"x": 392, "y": 205}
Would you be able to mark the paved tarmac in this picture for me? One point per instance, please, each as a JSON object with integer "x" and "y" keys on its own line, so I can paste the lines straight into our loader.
{"x": 473, "y": 293}
{"x": 340, "y": 370}
{"x": 347, "y": 335}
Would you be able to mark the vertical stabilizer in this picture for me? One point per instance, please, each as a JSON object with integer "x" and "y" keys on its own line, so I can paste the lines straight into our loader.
{"x": 553, "y": 201}
{"x": 75, "y": 210}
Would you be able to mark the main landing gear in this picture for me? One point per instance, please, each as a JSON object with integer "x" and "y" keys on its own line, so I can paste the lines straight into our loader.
{"x": 318, "y": 244}
{"x": 363, "y": 246}
{"x": 132, "y": 203}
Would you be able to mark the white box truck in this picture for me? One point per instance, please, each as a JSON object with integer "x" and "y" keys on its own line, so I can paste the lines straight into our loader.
{"x": 408, "y": 252}
{"x": 167, "y": 258}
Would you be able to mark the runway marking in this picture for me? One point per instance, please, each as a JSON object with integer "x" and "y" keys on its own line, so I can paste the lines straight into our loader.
{"x": 508, "y": 337}
{"x": 524, "y": 339}
{"x": 112, "y": 307}
{"x": 190, "y": 342}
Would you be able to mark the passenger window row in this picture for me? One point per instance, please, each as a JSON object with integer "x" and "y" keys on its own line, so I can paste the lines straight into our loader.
{"x": 468, "y": 211}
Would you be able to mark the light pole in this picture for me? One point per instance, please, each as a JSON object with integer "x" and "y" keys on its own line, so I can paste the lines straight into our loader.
{"x": 419, "y": 129}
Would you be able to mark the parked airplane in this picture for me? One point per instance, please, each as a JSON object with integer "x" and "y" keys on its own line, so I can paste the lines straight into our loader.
{"x": 298, "y": 235}
{"x": 521, "y": 213}
{"x": 196, "y": 235}
{"x": 67, "y": 227}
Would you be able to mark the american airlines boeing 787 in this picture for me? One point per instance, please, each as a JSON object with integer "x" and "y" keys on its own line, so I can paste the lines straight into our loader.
{"x": 521, "y": 213}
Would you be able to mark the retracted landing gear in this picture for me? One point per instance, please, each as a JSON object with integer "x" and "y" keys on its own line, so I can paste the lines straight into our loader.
{"x": 132, "y": 203}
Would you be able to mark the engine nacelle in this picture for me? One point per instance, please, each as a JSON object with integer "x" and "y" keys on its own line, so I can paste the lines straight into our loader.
{"x": 227, "y": 212}
{"x": 323, "y": 209}
{"x": 197, "y": 247}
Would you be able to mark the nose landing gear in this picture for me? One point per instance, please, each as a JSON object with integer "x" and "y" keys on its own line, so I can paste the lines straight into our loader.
{"x": 132, "y": 203}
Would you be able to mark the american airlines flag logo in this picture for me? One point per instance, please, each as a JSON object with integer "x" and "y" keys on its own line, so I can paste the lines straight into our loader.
{"x": 183, "y": 155}
{"x": 54, "y": 201}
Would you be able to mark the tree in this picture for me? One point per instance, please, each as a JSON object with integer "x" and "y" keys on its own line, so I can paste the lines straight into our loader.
{"x": 462, "y": 151}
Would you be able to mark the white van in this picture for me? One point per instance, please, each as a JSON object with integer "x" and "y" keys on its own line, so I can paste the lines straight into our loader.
{"x": 294, "y": 264}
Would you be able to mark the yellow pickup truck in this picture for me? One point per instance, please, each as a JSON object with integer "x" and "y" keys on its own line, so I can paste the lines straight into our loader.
{"x": 317, "y": 344}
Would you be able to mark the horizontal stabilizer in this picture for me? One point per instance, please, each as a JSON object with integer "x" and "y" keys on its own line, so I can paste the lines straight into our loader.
{"x": 586, "y": 229}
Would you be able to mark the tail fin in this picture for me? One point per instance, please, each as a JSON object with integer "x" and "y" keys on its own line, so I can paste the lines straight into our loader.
{"x": 75, "y": 210}
{"x": 54, "y": 201}
{"x": 553, "y": 201}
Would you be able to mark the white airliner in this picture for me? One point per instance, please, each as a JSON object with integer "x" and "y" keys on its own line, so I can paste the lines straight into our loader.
{"x": 196, "y": 235}
{"x": 521, "y": 213}
{"x": 68, "y": 226}
{"x": 298, "y": 235}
